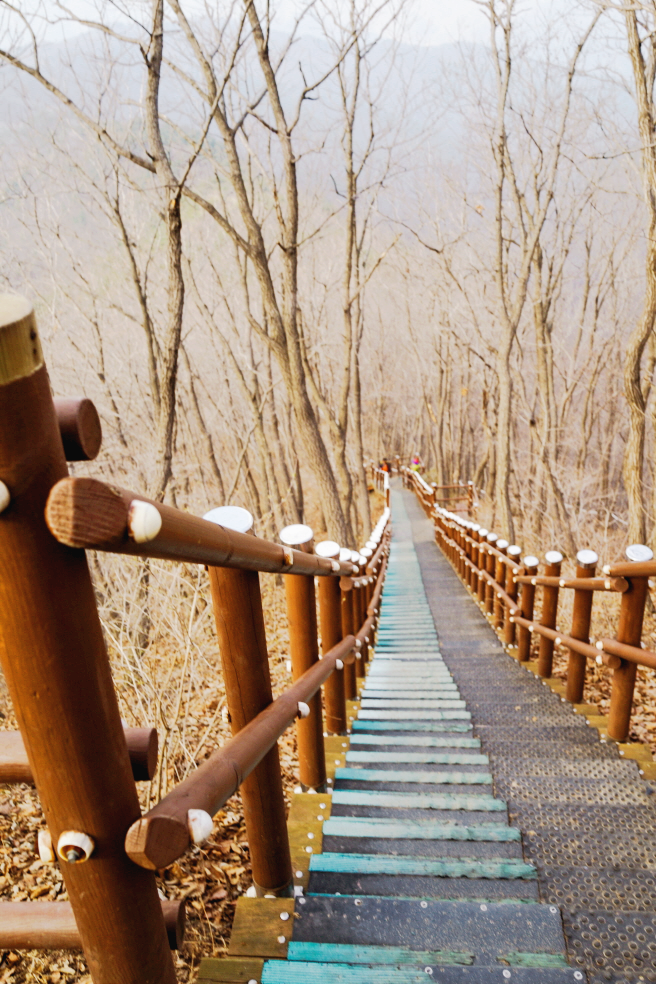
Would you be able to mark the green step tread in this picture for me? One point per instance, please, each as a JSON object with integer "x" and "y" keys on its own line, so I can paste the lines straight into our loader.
{"x": 427, "y": 758}
{"x": 423, "y": 725}
{"x": 350, "y": 954}
{"x": 450, "y": 777}
{"x": 416, "y": 740}
{"x": 417, "y": 829}
{"x": 394, "y": 864}
{"x": 470, "y": 802}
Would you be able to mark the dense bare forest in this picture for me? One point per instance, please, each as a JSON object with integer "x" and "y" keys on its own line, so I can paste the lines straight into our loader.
{"x": 271, "y": 255}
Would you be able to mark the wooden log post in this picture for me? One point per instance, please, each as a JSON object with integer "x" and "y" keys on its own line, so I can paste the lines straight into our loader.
{"x": 527, "y": 604}
{"x": 356, "y": 605}
{"x": 490, "y": 567}
{"x": 472, "y": 582}
{"x": 482, "y": 565}
{"x": 553, "y": 560}
{"x": 512, "y": 590}
{"x": 500, "y": 578}
{"x": 362, "y": 656}
{"x": 586, "y": 562}
{"x": 473, "y": 574}
{"x": 346, "y": 606}
{"x": 60, "y": 682}
{"x": 330, "y": 620}
{"x": 462, "y": 543}
{"x": 629, "y": 631}
{"x": 304, "y": 653}
{"x": 242, "y": 643}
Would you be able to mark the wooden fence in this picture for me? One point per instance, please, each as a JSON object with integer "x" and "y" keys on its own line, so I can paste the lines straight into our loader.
{"x": 72, "y": 744}
{"x": 461, "y": 497}
{"x": 505, "y": 585}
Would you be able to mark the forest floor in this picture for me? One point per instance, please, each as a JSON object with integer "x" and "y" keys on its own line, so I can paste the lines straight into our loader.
{"x": 211, "y": 877}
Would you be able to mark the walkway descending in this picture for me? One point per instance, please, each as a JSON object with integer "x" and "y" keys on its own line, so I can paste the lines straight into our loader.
{"x": 420, "y": 873}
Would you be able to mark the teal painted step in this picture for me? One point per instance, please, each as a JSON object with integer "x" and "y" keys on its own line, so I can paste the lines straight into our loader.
{"x": 395, "y": 655}
{"x": 386, "y": 678}
{"x": 426, "y": 801}
{"x": 447, "y": 692}
{"x": 392, "y": 704}
{"x": 418, "y": 829}
{"x": 445, "y": 741}
{"x": 452, "y": 777}
{"x": 395, "y": 864}
{"x": 401, "y": 642}
{"x": 348, "y": 953}
{"x": 301, "y": 972}
{"x": 426, "y": 758}
{"x": 409, "y": 715}
{"x": 410, "y": 681}
{"x": 391, "y": 725}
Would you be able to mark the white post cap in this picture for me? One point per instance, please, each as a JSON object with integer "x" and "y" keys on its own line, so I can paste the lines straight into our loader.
{"x": 639, "y": 552}
{"x": 231, "y": 517}
{"x": 587, "y": 558}
{"x": 295, "y": 535}
{"x": 553, "y": 557}
{"x": 327, "y": 548}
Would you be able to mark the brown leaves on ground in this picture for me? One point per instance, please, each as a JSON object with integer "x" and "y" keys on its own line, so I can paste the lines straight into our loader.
{"x": 210, "y": 877}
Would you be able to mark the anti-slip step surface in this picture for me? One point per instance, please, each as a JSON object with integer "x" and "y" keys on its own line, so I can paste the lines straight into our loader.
{"x": 588, "y": 818}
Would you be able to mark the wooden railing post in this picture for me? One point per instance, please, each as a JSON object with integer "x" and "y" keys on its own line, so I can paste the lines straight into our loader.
{"x": 346, "y": 589}
{"x": 586, "y": 562}
{"x": 473, "y": 556}
{"x": 245, "y": 661}
{"x": 482, "y": 565}
{"x": 527, "y": 603}
{"x": 60, "y": 682}
{"x": 512, "y": 591}
{"x": 304, "y": 653}
{"x": 554, "y": 560}
{"x": 629, "y": 631}
{"x": 490, "y": 567}
{"x": 330, "y": 620}
{"x": 500, "y": 578}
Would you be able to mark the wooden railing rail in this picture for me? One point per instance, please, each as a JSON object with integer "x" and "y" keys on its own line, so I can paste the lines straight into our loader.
{"x": 505, "y": 588}
{"x": 92, "y": 515}
{"x": 85, "y": 771}
{"x": 429, "y": 495}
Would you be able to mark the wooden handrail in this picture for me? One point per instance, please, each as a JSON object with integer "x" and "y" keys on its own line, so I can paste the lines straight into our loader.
{"x": 619, "y": 584}
{"x": 90, "y": 514}
{"x": 162, "y": 835}
{"x": 52, "y": 925}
